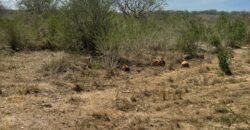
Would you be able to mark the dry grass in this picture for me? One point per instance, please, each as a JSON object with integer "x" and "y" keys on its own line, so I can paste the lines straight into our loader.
{"x": 56, "y": 90}
{"x": 248, "y": 56}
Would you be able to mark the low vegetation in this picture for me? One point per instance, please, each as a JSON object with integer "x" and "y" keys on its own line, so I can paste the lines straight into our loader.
{"x": 224, "y": 61}
{"x": 86, "y": 25}
{"x": 122, "y": 64}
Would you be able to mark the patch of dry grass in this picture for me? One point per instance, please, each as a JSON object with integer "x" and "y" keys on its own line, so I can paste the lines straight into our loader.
{"x": 80, "y": 97}
{"x": 64, "y": 64}
{"x": 248, "y": 56}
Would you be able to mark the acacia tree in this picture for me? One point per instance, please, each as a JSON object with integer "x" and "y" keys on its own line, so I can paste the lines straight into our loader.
{"x": 138, "y": 8}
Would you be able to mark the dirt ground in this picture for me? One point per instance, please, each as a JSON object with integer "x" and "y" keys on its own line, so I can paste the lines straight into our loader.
{"x": 45, "y": 91}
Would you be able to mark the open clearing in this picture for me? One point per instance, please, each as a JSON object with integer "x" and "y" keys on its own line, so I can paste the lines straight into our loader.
{"x": 76, "y": 96}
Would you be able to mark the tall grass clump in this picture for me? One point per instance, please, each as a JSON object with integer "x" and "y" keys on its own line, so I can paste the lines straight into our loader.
{"x": 111, "y": 56}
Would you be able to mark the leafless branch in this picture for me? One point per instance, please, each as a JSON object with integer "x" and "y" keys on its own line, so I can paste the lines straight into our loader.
{"x": 138, "y": 8}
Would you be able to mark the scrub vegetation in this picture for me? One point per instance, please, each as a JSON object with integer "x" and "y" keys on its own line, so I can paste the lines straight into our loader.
{"x": 122, "y": 64}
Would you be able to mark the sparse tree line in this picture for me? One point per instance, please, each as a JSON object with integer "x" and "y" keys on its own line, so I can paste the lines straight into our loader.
{"x": 109, "y": 27}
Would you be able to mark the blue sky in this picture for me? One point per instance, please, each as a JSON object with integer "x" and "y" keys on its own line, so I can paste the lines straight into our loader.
{"x": 226, "y": 5}
{"x": 191, "y": 5}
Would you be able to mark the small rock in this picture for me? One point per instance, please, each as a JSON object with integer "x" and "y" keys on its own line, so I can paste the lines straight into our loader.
{"x": 185, "y": 64}
{"x": 125, "y": 68}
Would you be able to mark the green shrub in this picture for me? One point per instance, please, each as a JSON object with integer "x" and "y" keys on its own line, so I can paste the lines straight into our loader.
{"x": 132, "y": 34}
{"x": 237, "y": 33}
{"x": 188, "y": 44}
{"x": 54, "y": 37}
{"x": 87, "y": 21}
{"x": 188, "y": 41}
{"x": 232, "y": 30}
{"x": 248, "y": 38}
{"x": 20, "y": 36}
{"x": 223, "y": 24}
{"x": 13, "y": 34}
{"x": 224, "y": 61}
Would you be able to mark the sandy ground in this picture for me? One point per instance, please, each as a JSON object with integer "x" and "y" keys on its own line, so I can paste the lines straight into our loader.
{"x": 35, "y": 94}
